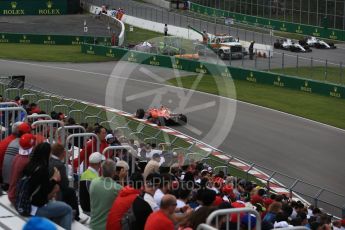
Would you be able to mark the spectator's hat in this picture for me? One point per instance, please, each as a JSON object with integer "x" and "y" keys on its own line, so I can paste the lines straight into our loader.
{"x": 109, "y": 136}
{"x": 39, "y": 223}
{"x": 26, "y": 143}
{"x": 96, "y": 158}
{"x": 24, "y": 128}
{"x": 122, "y": 164}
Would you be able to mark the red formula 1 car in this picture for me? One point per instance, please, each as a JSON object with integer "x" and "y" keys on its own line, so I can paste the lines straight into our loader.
{"x": 162, "y": 116}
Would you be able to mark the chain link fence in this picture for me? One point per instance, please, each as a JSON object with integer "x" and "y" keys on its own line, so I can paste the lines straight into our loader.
{"x": 329, "y": 13}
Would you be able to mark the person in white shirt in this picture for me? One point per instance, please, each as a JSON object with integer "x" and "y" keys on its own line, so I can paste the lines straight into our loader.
{"x": 151, "y": 185}
{"x": 164, "y": 188}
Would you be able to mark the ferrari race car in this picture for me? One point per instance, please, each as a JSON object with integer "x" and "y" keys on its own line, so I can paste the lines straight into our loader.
{"x": 161, "y": 116}
{"x": 288, "y": 44}
{"x": 317, "y": 43}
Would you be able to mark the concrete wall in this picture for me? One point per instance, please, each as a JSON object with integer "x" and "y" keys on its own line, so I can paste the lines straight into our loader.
{"x": 160, "y": 3}
{"x": 114, "y": 21}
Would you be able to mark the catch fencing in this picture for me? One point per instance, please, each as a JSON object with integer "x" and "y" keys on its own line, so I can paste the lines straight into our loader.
{"x": 270, "y": 23}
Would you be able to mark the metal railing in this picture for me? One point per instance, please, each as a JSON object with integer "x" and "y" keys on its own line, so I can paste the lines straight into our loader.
{"x": 74, "y": 150}
{"x": 226, "y": 214}
{"x": 205, "y": 227}
{"x": 9, "y": 116}
{"x": 129, "y": 155}
{"x": 45, "y": 130}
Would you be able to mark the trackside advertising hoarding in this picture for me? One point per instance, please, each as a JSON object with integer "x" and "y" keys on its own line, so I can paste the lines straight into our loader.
{"x": 256, "y": 77}
{"x": 271, "y": 24}
{"x": 32, "y": 7}
{"x": 51, "y": 39}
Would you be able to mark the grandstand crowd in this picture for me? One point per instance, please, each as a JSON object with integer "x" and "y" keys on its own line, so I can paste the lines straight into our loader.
{"x": 154, "y": 189}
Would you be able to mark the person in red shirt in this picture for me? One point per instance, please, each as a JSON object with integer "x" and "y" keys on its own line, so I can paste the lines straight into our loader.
{"x": 26, "y": 144}
{"x": 91, "y": 147}
{"x": 18, "y": 129}
{"x": 124, "y": 201}
{"x": 163, "y": 217}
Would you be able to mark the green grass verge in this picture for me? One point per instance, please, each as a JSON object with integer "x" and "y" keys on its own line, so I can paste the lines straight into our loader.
{"x": 315, "y": 107}
{"x": 47, "y": 53}
{"x": 316, "y": 73}
{"x": 139, "y": 35}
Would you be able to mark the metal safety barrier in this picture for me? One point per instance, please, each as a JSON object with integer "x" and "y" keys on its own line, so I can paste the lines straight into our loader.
{"x": 205, "y": 227}
{"x": 221, "y": 168}
{"x": 77, "y": 115}
{"x": 45, "y": 130}
{"x": 45, "y": 104}
{"x": 9, "y": 116}
{"x": 214, "y": 218}
{"x": 68, "y": 130}
{"x": 129, "y": 156}
{"x": 35, "y": 117}
{"x": 11, "y": 93}
{"x": 294, "y": 228}
{"x": 30, "y": 96}
{"x": 8, "y": 104}
{"x": 71, "y": 147}
{"x": 61, "y": 108}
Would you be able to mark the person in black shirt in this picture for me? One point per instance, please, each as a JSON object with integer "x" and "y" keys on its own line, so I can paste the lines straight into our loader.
{"x": 44, "y": 188}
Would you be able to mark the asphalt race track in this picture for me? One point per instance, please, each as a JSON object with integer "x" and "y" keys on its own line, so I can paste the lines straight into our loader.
{"x": 300, "y": 148}
{"x": 53, "y": 25}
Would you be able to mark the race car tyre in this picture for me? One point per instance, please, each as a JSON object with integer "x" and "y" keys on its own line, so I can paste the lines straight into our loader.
{"x": 140, "y": 113}
{"x": 332, "y": 45}
{"x": 182, "y": 119}
{"x": 277, "y": 46}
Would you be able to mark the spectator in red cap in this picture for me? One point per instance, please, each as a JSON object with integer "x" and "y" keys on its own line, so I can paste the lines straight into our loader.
{"x": 26, "y": 144}
{"x": 91, "y": 147}
{"x": 5, "y": 143}
{"x": 11, "y": 151}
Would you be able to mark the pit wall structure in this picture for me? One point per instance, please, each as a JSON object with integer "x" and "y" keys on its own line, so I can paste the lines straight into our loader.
{"x": 277, "y": 25}
{"x": 254, "y": 76}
